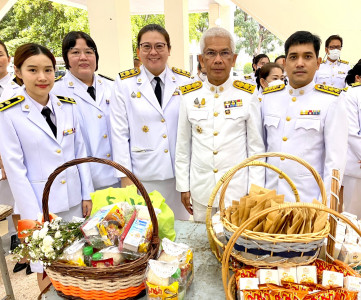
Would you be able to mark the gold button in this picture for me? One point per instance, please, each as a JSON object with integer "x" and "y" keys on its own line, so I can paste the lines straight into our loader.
{"x": 216, "y": 95}
{"x": 215, "y": 152}
{"x": 105, "y": 136}
{"x": 166, "y": 151}
{"x": 71, "y": 83}
{"x": 164, "y": 136}
{"x": 284, "y": 139}
{"x": 324, "y": 82}
{"x": 162, "y": 120}
{"x": 58, "y": 103}
{"x": 63, "y": 181}
{"x": 58, "y": 151}
{"x": 100, "y": 116}
{"x": 27, "y": 106}
{"x": 288, "y": 119}
{"x": 108, "y": 155}
{"x": 215, "y": 114}
{"x": 215, "y": 133}
{"x": 294, "y": 99}
{"x": 221, "y": 89}
{"x": 212, "y": 88}
{"x": 215, "y": 170}
{"x": 302, "y": 92}
{"x": 291, "y": 92}
{"x": 282, "y": 158}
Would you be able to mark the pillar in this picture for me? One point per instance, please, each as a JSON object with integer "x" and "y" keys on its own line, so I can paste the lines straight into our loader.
{"x": 221, "y": 15}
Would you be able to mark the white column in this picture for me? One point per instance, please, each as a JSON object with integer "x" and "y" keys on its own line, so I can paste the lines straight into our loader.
{"x": 110, "y": 27}
{"x": 221, "y": 15}
{"x": 177, "y": 25}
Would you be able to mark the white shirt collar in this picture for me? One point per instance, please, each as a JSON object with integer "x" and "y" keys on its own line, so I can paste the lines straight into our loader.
{"x": 5, "y": 79}
{"x": 300, "y": 91}
{"x": 38, "y": 105}
{"x": 220, "y": 88}
{"x": 81, "y": 83}
{"x": 151, "y": 76}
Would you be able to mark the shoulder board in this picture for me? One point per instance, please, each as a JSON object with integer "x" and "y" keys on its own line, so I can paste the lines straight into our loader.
{"x": 181, "y": 72}
{"x": 247, "y": 77}
{"x": 191, "y": 87}
{"x": 244, "y": 86}
{"x": 106, "y": 77}
{"x": 343, "y": 61}
{"x": 11, "y": 102}
{"x": 356, "y": 84}
{"x": 345, "y": 89}
{"x": 328, "y": 89}
{"x": 66, "y": 99}
{"x": 275, "y": 88}
{"x": 58, "y": 78}
{"x": 322, "y": 62}
{"x": 129, "y": 73}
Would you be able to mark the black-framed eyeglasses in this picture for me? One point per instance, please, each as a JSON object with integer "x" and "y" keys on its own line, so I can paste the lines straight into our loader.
{"x": 211, "y": 54}
{"x": 335, "y": 47}
{"x": 147, "y": 47}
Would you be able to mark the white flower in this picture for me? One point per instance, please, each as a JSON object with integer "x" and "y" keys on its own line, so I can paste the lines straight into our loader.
{"x": 36, "y": 234}
{"x": 27, "y": 240}
{"x": 58, "y": 219}
{"x": 46, "y": 224}
{"x": 40, "y": 217}
{"x": 57, "y": 234}
{"x": 48, "y": 241}
{"x": 43, "y": 232}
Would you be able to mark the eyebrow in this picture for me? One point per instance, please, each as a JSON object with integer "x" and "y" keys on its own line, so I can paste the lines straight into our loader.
{"x": 33, "y": 66}
{"x": 309, "y": 52}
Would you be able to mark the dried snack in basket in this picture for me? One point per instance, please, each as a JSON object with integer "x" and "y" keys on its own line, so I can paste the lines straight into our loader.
{"x": 308, "y": 223}
{"x": 296, "y": 223}
{"x": 234, "y": 218}
{"x": 322, "y": 295}
{"x": 228, "y": 213}
{"x": 250, "y": 202}
{"x": 295, "y": 286}
{"x": 277, "y": 222}
{"x": 320, "y": 218}
{"x": 261, "y": 201}
{"x": 271, "y": 217}
{"x": 281, "y": 293}
{"x": 241, "y": 208}
{"x": 344, "y": 294}
{"x": 278, "y": 199}
{"x": 257, "y": 294}
{"x": 260, "y": 227}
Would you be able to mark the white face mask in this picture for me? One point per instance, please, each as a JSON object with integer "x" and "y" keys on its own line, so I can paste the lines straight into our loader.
{"x": 334, "y": 54}
{"x": 276, "y": 82}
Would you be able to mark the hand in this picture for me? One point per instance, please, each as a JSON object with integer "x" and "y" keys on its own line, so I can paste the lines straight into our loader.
{"x": 125, "y": 181}
{"x": 186, "y": 200}
{"x": 87, "y": 207}
{"x": 3, "y": 174}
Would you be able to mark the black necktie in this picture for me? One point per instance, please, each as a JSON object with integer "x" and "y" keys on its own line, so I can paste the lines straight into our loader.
{"x": 91, "y": 91}
{"x": 47, "y": 112}
{"x": 158, "y": 91}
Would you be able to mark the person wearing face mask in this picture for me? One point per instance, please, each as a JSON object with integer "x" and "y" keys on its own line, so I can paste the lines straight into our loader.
{"x": 258, "y": 62}
{"x": 144, "y": 117}
{"x": 270, "y": 74}
{"x": 333, "y": 70}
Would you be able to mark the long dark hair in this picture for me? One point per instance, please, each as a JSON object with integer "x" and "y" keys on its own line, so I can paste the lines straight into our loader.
{"x": 356, "y": 70}
{"x": 265, "y": 71}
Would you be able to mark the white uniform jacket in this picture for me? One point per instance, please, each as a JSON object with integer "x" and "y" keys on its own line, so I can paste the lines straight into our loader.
{"x": 143, "y": 133}
{"x": 219, "y": 126}
{"x": 310, "y": 124}
{"x": 10, "y": 89}
{"x": 94, "y": 122}
{"x": 332, "y": 73}
{"x": 30, "y": 153}
{"x": 353, "y": 105}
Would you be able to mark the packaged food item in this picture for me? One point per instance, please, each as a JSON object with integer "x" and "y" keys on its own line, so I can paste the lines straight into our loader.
{"x": 322, "y": 295}
{"x": 268, "y": 276}
{"x": 98, "y": 261}
{"x": 295, "y": 286}
{"x": 88, "y": 252}
{"x": 183, "y": 254}
{"x": 218, "y": 228}
{"x": 257, "y": 294}
{"x": 350, "y": 253}
{"x": 330, "y": 278}
{"x": 143, "y": 212}
{"x": 139, "y": 235}
{"x": 306, "y": 274}
{"x": 352, "y": 283}
{"x": 157, "y": 292}
{"x": 287, "y": 274}
{"x": 104, "y": 227}
{"x": 114, "y": 253}
{"x": 246, "y": 284}
{"x": 73, "y": 254}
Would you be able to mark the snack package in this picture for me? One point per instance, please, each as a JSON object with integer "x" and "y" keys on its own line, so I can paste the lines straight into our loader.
{"x": 183, "y": 254}
{"x": 246, "y": 284}
{"x": 352, "y": 283}
{"x": 139, "y": 236}
{"x": 330, "y": 278}
{"x": 295, "y": 286}
{"x": 160, "y": 281}
{"x": 287, "y": 274}
{"x": 114, "y": 253}
{"x": 350, "y": 253}
{"x": 268, "y": 276}
{"x": 105, "y": 227}
{"x": 73, "y": 254}
{"x": 218, "y": 228}
{"x": 306, "y": 274}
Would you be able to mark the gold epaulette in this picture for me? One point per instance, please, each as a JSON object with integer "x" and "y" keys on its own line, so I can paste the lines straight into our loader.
{"x": 343, "y": 61}
{"x": 11, "y": 102}
{"x": 106, "y": 77}
{"x": 247, "y": 77}
{"x": 328, "y": 89}
{"x": 355, "y": 84}
{"x": 129, "y": 73}
{"x": 322, "y": 62}
{"x": 181, "y": 72}
{"x": 244, "y": 86}
{"x": 66, "y": 99}
{"x": 190, "y": 87}
{"x": 345, "y": 89}
{"x": 275, "y": 88}
{"x": 58, "y": 78}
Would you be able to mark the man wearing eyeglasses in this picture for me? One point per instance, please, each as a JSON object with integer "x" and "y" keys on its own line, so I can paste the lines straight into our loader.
{"x": 219, "y": 126}
{"x": 333, "y": 70}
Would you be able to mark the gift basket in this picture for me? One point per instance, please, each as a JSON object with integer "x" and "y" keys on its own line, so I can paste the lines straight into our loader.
{"x": 298, "y": 244}
{"x": 124, "y": 281}
{"x": 318, "y": 280}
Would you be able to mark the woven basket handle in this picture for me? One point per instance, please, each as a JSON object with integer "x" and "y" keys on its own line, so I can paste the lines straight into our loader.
{"x": 263, "y": 213}
{"x": 129, "y": 174}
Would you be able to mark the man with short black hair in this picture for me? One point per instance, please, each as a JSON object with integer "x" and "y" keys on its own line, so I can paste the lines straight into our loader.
{"x": 333, "y": 70}
{"x": 305, "y": 120}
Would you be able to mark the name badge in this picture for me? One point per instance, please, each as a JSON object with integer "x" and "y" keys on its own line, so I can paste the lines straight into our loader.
{"x": 68, "y": 131}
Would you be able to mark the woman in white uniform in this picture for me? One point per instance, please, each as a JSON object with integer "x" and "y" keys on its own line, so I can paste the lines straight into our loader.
{"x": 352, "y": 177}
{"x": 144, "y": 117}
{"x": 40, "y": 132}
{"x": 92, "y": 94}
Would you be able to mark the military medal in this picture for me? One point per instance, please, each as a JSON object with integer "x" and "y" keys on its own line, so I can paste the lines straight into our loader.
{"x": 310, "y": 112}
{"x": 69, "y": 131}
{"x": 133, "y": 95}
{"x": 196, "y": 101}
{"x": 227, "y": 111}
{"x": 138, "y": 95}
{"x": 203, "y": 102}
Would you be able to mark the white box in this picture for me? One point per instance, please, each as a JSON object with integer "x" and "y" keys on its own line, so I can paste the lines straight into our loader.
{"x": 248, "y": 284}
{"x": 352, "y": 283}
{"x": 332, "y": 278}
{"x": 287, "y": 274}
{"x": 350, "y": 253}
{"x": 268, "y": 276}
{"x": 306, "y": 274}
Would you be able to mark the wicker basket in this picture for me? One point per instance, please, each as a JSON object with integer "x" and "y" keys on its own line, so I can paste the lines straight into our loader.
{"x": 229, "y": 283}
{"x": 263, "y": 249}
{"x": 118, "y": 282}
